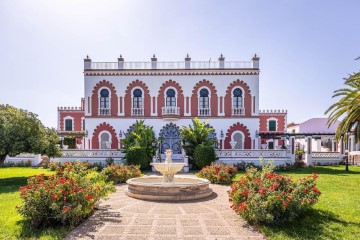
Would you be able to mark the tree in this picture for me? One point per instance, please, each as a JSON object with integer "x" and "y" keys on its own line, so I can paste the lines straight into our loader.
{"x": 195, "y": 135}
{"x": 21, "y": 131}
{"x": 143, "y": 136}
{"x": 348, "y": 107}
{"x": 51, "y": 144}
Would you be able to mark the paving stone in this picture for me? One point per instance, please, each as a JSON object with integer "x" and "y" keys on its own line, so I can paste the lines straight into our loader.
{"x": 122, "y": 217}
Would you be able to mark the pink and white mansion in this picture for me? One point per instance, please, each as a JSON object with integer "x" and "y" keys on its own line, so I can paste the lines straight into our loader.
{"x": 168, "y": 95}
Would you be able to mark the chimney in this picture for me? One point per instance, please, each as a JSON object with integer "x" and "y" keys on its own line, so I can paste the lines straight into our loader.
{"x": 221, "y": 61}
{"x": 154, "y": 62}
{"x": 120, "y": 62}
{"x": 187, "y": 61}
{"x": 255, "y": 61}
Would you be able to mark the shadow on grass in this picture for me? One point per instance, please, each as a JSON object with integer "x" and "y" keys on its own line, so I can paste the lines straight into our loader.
{"x": 26, "y": 232}
{"x": 8, "y": 185}
{"x": 315, "y": 224}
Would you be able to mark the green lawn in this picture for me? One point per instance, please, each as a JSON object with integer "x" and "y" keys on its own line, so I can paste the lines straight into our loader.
{"x": 337, "y": 213}
{"x": 12, "y": 225}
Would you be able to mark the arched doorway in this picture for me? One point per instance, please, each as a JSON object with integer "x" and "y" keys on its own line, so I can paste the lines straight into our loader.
{"x": 171, "y": 139}
{"x": 105, "y": 142}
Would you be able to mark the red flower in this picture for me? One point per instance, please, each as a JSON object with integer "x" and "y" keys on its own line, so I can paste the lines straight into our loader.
{"x": 88, "y": 197}
{"x": 314, "y": 189}
{"x": 289, "y": 198}
{"x": 66, "y": 208}
{"x": 64, "y": 198}
{"x": 285, "y": 204}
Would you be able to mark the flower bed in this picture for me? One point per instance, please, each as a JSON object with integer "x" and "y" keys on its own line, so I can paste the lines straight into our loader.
{"x": 66, "y": 198}
{"x": 220, "y": 173}
{"x": 266, "y": 197}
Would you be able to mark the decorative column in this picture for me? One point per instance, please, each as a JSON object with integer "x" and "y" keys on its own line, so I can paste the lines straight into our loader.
{"x": 221, "y": 61}
{"x": 187, "y": 62}
{"x": 255, "y": 61}
{"x": 87, "y": 63}
{"x": 292, "y": 148}
{"x": 308, "y": 152}
{"x": 120, "y": 62}
{"x": 154, "y": 62}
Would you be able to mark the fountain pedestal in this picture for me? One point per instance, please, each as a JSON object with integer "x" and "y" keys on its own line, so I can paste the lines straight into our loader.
{"x": 168, "y": 187}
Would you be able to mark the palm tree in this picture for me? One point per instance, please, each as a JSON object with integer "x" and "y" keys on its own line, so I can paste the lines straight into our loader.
{"x": 348, "y": 106}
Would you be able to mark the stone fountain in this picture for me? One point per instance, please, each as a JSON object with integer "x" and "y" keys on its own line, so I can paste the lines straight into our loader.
{"x": 168, "y": 187}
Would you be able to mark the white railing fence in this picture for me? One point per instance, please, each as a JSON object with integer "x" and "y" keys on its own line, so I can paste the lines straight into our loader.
{"x": 170, "y": 110}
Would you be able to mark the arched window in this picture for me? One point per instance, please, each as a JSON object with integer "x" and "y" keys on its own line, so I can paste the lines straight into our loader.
{"x": 137, "y": 98}
{"x": 68, "y": 125}
{"x": 170, "y": 98}
{"x": 238, "y": 140}
{"x": 105, "y": 140}
{"x": 204, "y": 98}
{"x": 104, "y": 102}
{"x": 237, "y": 98}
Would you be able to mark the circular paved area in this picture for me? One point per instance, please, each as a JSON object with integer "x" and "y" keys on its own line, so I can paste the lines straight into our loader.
{"x": 122, "y": 217}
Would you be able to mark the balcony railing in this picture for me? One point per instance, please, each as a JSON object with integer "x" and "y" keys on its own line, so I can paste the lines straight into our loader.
{"x": 204, "y": 111}
{"x": 238, "y": 111}
{"x": 172, "y": 65}
{"x": 137, "y": 111}
{"x": 170, "y": 111}
{"x": 104, "y": 111}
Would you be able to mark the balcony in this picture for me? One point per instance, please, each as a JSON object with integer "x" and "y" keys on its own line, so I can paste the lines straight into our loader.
{"x": 204, "y": 111}
{"x": 137, "y": 112}
{"x": 170, "y": 112}
{"x": 238, "y": 111}
{"x": 172, "y": 65}
{"x": 104, "y": 112}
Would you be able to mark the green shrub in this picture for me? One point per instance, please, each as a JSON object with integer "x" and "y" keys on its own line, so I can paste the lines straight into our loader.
{"x": 70, "y": 141}
{"x": 120, "y": 173}
{"x": 65, "y": 198}
{"x": 220, "y": 173}
{"x": 266, "y": 197}
{"x": 137, "y": 156}
{"x": 204, "y": 155}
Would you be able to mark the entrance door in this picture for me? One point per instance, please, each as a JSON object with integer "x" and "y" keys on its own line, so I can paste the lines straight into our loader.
{"x": 170, "y": 135}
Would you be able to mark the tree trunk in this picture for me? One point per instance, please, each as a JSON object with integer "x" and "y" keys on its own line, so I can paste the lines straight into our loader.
{"x": 2, "y": 159}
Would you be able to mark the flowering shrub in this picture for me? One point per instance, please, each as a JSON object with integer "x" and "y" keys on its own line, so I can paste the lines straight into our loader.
{"x": 218, "y": 173}
{"x": 67, "y": 197}
{"x": 120, "y": 173}
{"x": 266, "y": 197}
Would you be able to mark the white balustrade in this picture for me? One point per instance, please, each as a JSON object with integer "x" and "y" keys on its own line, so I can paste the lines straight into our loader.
{"x": 92, "y": 154}
{"x": 137, "y": 112}
{"x": 172, "y": 65}
{"x": 238, "y": 111}
{"x": 204, "y": 111}
{"x": 251, "y": 154}
{"x": 170, "y": 110}
{"x": 332, "y": 155}
{"x": 104, "y": 112}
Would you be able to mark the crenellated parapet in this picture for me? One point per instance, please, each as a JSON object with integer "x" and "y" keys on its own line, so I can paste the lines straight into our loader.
{"x": 70, "y": 109}
{"x": 271, "y": 111}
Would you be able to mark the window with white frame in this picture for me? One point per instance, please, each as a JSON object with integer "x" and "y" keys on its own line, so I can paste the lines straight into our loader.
{"x": 170, "y": 98}
{"x": 237, "y": 98}
{"x": 105, "y": 142}
{"x": 137, "y": 98}
{"x": 204, "y": 98}
{"x": 272, "y": 125}
{"x": 238, "y": 140}
{"x": 104, "y": 102}
{"x": 68, "y": 124}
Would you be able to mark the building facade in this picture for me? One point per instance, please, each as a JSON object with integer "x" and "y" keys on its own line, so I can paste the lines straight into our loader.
{"x": 168, "y": 95}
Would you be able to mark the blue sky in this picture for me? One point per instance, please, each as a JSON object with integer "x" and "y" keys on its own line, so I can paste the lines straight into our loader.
{"x": 306, "y": 47}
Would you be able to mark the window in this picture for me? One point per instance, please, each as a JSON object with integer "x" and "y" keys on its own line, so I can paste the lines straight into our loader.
{"x": 270, "y": 145}
{"x": 204, "y": 98}
{"x": 104, "y": 98}
{"x": 238, "y": 140}
{"x": 272, "y": 125}
{"x": 68, "y": 125}
{"x": 237, "y": 98}
{"x": 83, "y": 124}
{"x": 137, "y": 99}
{"x": 170, "y": 98}
{"x": 105, "y": 141}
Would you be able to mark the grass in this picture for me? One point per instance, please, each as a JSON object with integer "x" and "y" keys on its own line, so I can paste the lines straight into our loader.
{"x": 337, "y": 213}
{"x": 13, "y": 226}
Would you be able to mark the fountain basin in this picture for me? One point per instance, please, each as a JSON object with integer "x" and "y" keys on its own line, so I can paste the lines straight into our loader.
{"x": 181, "y": 188}
{"x": 168, "y": 170}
